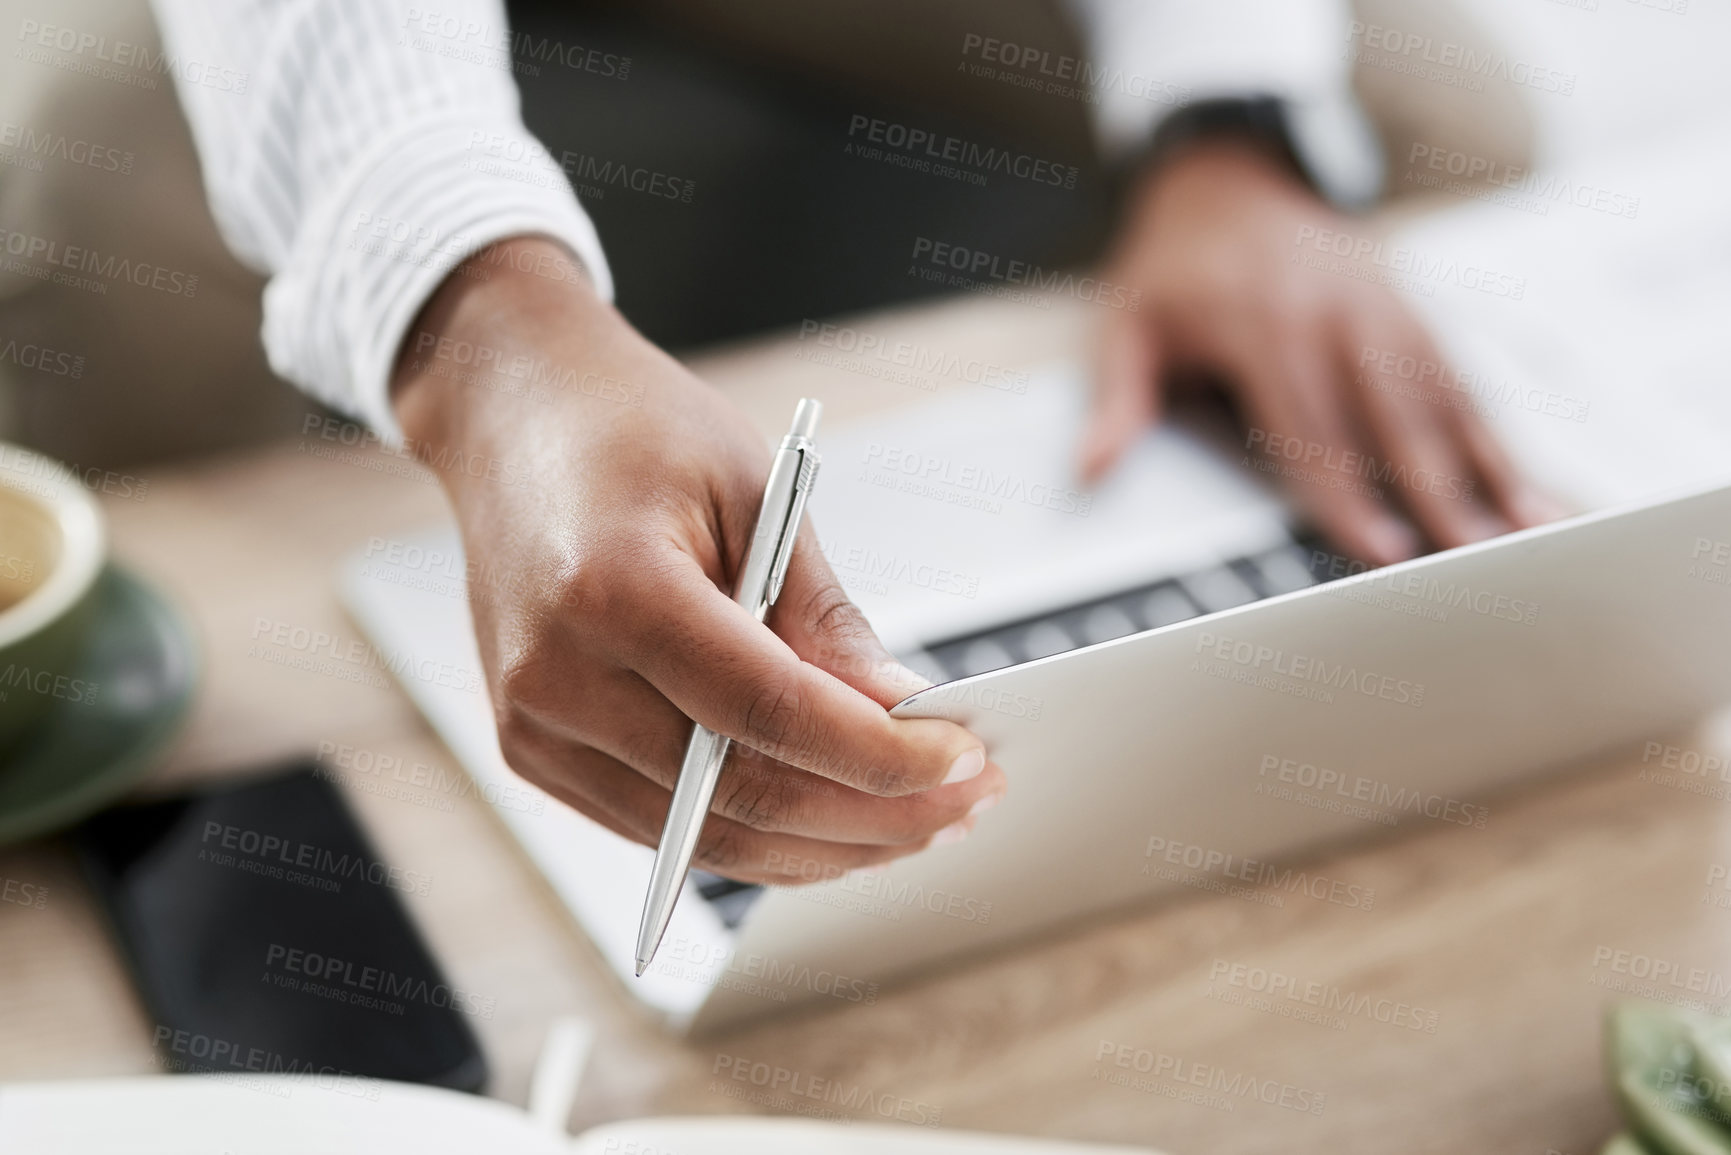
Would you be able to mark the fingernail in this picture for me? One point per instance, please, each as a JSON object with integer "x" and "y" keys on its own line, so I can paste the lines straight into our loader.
{"x": 985, "y": 804}
{"x": 966, "y": 766}
{"x": 954, "y": 832}
{"x": 1391, "y": 541}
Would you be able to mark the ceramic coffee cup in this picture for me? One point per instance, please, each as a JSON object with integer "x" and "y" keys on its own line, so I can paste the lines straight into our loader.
{"x": 52, "y": 548}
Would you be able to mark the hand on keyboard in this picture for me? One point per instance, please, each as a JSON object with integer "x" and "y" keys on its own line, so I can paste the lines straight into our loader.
{"x": 1349, "y": 402}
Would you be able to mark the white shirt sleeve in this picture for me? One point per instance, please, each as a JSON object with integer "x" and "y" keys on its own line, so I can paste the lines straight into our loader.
{"x": 349, "y": 151}
{"x": 1151, "y": 56}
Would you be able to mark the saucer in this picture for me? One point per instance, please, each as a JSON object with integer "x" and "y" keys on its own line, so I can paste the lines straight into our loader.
{"x": 142, "y": 660}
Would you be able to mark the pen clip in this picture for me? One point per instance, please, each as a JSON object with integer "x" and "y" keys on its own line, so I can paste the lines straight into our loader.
{"x": 803, "y": 481}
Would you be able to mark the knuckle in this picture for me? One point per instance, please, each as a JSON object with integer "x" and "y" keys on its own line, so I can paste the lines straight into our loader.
{"x": 760, "y": 801}
{"x": 536, "y": 684}
{"x": 516, "y": 733}
{"x": 883, "y": 782}
{"x": 829, "y": 612}
{"x": 524, "y": 676}
{"x": 916, "y": 817}
{"x": 588, "y": 588}
{"x": 583, "y": 591}
{"x": 775, "y": 717}
{"x": 652, "y": 753}
{"x": 726, "y": 849}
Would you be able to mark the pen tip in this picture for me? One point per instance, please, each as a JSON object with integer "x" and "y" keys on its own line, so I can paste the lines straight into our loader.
{"x": 642, "y": 965}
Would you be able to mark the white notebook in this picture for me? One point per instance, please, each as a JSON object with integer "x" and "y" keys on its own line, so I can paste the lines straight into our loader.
{"x": 310, "y": 1115}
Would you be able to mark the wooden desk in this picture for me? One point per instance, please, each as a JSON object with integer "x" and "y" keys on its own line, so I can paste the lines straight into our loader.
{"x": 1495, "y": 930}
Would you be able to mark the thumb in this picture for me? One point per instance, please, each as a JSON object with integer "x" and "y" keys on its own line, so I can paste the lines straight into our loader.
{"x": 1126, "y": 395}
{"x": 820, "y": 623}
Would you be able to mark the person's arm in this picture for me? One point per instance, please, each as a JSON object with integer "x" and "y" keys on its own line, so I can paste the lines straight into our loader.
{"x": 1155, "y": 60}
{"x": 608, "y": 507}
{"x": 1247, "y": 140}
{"x": 354, "y": 166}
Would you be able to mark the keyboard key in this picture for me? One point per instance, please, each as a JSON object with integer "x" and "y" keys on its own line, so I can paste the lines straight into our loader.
{"x": 1044, "y": 639}
{"x": 1103, "y": 623}
{"x": 1218, "y": 589}
{"x": 1165, "y": 605}
{"x": 983, "y": 654}
{"x": 1285, "y": 569}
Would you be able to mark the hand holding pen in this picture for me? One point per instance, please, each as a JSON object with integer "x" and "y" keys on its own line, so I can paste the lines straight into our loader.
{"x": 605, "y": 619}
{"x": 791, "y": 479}
{"x": 784, "y": 496}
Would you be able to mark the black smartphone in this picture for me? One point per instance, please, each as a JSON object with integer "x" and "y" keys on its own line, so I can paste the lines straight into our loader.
{"x": 266, "y": 936}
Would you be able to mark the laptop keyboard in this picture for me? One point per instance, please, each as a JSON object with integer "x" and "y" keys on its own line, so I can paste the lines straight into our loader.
{"x": 1282, "y": 570}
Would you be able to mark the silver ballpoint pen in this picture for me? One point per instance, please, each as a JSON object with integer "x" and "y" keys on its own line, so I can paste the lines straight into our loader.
{"x": 784, "y": 496}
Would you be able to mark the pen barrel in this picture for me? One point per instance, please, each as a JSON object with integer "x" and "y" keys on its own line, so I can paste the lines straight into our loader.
{"x": 760, "y": 578}
{"x": 698, "y": 775}
{"x": 766, "y": 538}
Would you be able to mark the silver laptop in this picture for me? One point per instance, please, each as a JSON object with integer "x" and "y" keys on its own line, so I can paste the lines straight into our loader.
{"x": 1187, "y": 694}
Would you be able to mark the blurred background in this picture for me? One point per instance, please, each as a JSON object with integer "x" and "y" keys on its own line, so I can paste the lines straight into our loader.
{"x": 744, "y": 107}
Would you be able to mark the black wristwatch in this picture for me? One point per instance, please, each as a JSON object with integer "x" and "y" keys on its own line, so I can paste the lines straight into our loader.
{"x": 1330, "y": 146}
{"x": 1258, "y": 120}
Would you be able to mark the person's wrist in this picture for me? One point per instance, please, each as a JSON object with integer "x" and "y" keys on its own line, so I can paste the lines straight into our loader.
{"x": 503, "y": 302}
{"x": 1221, "y": 164}
{"x": 1197, "y": 189}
